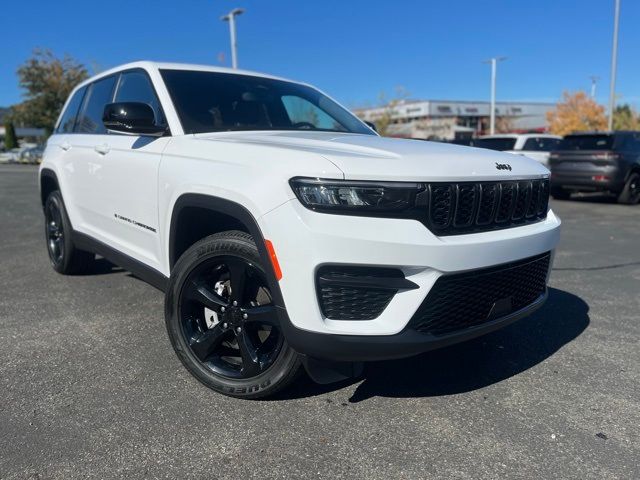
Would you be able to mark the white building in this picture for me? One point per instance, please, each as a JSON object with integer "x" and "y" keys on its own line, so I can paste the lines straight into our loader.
{"x": 455, "y": 120}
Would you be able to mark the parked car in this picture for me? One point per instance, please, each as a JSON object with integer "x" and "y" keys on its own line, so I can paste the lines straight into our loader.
{"x": 532, "y": 145}
{"x": 32, "y": 154}
{"x": 285, "y": 231}
{"x": 597, "y": 161}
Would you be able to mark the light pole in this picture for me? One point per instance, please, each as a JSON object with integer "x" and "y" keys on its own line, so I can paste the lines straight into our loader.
{"x": 493, "y": 61}
{"x": 231, "y": 18}
{"x": 614, "y": 63}
{"x": 594, "y": 81}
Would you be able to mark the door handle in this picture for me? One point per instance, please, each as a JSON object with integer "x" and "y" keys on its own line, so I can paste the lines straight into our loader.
{"x": 102, "y": 149}
{"x": 65, "y": 146}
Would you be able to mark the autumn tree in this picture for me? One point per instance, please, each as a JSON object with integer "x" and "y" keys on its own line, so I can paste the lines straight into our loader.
{"x": 577, "y": 111}
{"x": 47, "y": 82}
{"x": 625, "y": 118}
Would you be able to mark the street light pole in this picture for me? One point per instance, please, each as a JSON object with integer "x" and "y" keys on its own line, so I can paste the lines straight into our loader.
{"x": 231, "y": 18}
{"x": 594, "y": 81}
{"x": 614, "y": 63}
{"x": 492, "y": 122}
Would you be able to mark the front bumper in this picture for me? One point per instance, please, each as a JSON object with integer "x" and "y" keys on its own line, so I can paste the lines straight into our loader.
{"x": 409, "y": 342}
{"x": 305, "y": 241}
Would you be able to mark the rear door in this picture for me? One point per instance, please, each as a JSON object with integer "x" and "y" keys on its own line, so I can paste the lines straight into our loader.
{"x": 123, "y": 176}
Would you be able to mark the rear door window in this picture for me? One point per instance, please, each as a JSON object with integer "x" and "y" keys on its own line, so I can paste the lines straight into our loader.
{"x": 68, "y": 120}
{"x": 541, "y": 144}
{"x": 98, "y": 95}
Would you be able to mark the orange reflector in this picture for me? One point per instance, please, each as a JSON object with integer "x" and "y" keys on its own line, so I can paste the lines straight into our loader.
{"x": 274, "y": 259}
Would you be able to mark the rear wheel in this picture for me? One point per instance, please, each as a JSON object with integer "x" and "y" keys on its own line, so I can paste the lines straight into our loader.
{"x": 222, "y": 321}
{"x": 64, "y": 256}
{"x": 630, "y": 194}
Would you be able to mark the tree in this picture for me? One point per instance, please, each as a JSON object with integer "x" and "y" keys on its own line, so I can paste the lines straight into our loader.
{"x": 384, "y": 117}
{"x": 625, "y": 118}
{"x": 47, "y": 82}
{"x": 10, "y": 139}
{"x": 576, "y": 112}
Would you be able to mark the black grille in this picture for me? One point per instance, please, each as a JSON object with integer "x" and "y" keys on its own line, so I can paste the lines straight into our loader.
{"x": 465, "y": 300}
{"x": 341, "y": 301}
{"x": 456, "y": 208}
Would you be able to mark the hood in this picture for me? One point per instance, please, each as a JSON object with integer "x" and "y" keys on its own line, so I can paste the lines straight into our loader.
{"x": 370, "y": 157}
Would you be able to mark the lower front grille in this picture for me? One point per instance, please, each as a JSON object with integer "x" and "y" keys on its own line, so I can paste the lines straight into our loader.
{"x": 464, "y": 300}
{"x": 358, "y": 293}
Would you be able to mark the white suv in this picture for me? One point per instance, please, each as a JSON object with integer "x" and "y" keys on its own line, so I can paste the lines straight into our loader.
{"x": 286, "y": 232}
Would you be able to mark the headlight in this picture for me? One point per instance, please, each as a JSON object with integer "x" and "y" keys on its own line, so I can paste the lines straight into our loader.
{"x": 356, "y": 197}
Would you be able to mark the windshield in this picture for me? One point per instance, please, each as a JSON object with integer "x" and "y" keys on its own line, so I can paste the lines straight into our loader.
{"x": 215, "y": 102}
{"x": 495, "y": 143}
{"x": 586, "y": 142}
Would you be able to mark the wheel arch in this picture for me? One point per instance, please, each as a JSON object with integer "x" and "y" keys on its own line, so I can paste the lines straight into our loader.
{"x": 188, "y": 226}
{"x": 48, "y": 183}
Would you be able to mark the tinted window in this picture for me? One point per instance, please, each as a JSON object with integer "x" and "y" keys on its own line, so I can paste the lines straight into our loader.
{"x": 586, "y": 142}
{"x": 68, "y": 119}
{"x": 98, "y": 95}
{"x": 541, "y": 144}
{"x": 498, "y": 143}
{"x": 212, "y": 101}
{"x": 136, "y": 87}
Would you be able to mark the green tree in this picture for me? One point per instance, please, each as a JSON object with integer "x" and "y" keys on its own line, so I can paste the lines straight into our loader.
{"x": 47, "y": 82}
{"x": 10, "y": 139}
{"x": 625, "y": 118}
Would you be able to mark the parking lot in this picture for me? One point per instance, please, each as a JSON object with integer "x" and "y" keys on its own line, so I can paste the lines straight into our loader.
{"x": 90, "y": 386}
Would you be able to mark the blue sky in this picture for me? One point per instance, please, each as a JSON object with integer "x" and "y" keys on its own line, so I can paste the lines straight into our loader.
{"x": 352, "y": 49}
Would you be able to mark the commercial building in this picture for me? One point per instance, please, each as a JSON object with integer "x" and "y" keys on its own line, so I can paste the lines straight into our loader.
{"x": 456, "y": 120}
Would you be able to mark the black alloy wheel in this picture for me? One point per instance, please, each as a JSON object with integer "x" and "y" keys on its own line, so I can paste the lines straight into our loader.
{"x": 228, "y": 318}
{"x": 65, "y": 257}
{"x": 54, "y": 232}
{"x": 222, "y": 321}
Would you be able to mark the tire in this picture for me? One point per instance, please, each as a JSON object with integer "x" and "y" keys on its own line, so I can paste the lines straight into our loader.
{"x": 560, "y": 194}
{"x": 630, "y": 194}
{"x": 239, "y": 349}
{"x": 64, "y": 256}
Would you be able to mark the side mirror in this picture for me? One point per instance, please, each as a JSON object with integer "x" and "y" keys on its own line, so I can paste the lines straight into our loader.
{"x": 133, "y": 118}
{"x": 372, "y": 126}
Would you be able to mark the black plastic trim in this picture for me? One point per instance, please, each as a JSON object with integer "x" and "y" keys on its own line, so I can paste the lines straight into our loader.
{"x": 139, "y": 269}
{"x": 383, "y": 283}
{"x": 232, "y": 209}
{"x": 47, "y": 172}
{"x": 409, "y": 342}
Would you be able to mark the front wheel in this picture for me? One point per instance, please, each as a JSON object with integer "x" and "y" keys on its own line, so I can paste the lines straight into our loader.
{"x": 222, "y": 322}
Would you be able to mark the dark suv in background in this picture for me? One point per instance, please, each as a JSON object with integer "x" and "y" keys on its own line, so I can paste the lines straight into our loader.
{"x": 597, "y": 161}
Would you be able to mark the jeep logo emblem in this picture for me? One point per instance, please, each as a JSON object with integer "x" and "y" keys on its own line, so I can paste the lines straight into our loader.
{"x": 503, "y": 166}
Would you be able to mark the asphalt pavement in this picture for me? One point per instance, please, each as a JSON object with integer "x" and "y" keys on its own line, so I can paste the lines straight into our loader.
{"x": 90, "y": 387}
